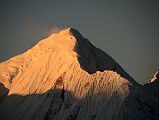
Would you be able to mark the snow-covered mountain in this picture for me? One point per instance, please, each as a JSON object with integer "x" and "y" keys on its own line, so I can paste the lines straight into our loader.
{"x": 65, "y": 77}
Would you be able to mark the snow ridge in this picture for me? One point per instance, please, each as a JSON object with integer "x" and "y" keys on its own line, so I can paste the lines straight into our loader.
{"x": 65, "y": 77}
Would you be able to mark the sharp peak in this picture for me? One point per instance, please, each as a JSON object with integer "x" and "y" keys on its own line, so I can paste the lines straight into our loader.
{"x": 70, "y": 44}
{"x": 69, "y": 30}
{"x": 69, "y": 36}
{"x": 155, "y": 77}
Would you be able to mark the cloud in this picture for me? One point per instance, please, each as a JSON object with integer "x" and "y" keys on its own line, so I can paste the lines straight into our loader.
{"x": 54, "y": 30}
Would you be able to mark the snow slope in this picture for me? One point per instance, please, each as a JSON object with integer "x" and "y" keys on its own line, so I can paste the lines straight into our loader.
{"x": 64, "y": 77}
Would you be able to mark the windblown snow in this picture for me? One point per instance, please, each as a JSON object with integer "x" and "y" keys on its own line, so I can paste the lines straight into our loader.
{"x": 65, "y": 77}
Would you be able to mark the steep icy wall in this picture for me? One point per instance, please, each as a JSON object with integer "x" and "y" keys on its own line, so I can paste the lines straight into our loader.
{"x": 64, "y": 77}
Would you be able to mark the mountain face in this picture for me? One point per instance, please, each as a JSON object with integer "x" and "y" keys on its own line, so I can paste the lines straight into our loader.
{"x": 141, "y": 103}
{"x": 153, "y": 84}
{"x": 65, "y": 77}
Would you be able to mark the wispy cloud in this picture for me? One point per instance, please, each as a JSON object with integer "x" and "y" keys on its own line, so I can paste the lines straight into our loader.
{"x": 54, "y": 30}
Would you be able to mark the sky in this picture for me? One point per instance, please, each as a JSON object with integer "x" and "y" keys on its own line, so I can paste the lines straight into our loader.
{"x": 128, "y": 30}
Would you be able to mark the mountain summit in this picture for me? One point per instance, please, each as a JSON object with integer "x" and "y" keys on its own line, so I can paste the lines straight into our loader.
{"x": 65, "y": 77}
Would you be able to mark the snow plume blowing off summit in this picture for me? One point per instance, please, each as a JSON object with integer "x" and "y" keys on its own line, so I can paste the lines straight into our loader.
{"x": 65, "y": 77}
